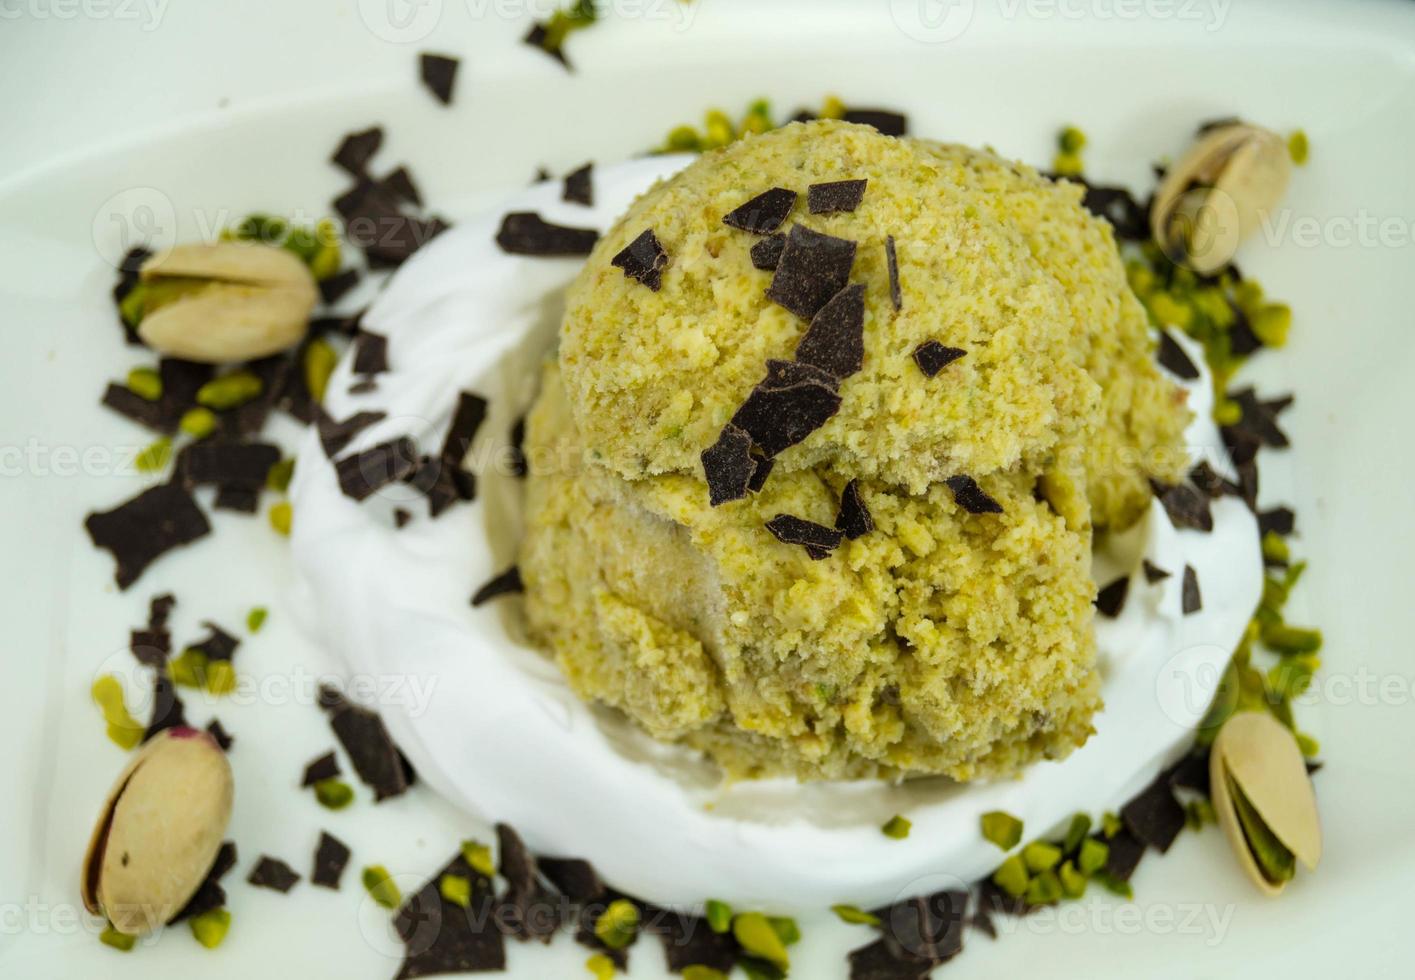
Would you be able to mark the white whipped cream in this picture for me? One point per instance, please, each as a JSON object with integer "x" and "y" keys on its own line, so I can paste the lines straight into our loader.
{"x": 501, "y": 735}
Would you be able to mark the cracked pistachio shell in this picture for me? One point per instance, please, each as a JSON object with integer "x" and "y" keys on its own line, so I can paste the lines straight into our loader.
{"x": 255, "y": 300}
{"x": 1263, "y": 760}
{"x": 159, "y": 831}
{"x": 1217, "y": 194}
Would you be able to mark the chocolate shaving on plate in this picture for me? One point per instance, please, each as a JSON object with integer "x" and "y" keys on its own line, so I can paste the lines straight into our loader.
{"x": 853, "y": 520}
{"x": 932, "y": 357}
{"x": 766, "y": 253}
{"x": 209, "y": 895}
{"x": 1155, "y": 816}
{"x": 357, "y": 149}
{"x": 1279, "y": 520}
{"x": 274, "y": 874}
{"x": 331, "y": 856}
{"x": 240, "y": 500}
{"x": 689, "y": 941}
{"x": 363, "y": 474}
{"x": 517, "y": 448}
{"x": 325, "y": 767}
{"x": 835, "y": 196}
{"x": 1207, "y": 480}
{"x": 643, "y": 260}
{"x": 335, "y": 436}
{"x": 506, "y": 583}
{"x": 145, "y": 528}
{"x": 1127, "y": 216}
{"x": 877, "y": 961}
{"x": 370, "y": 353}
{"x": 813, "y": 267}
{"x": 168, "y": 711}
{"x": 817, "y": 539}
{"x": 218, "y": 732}
{"x": 1185, "y": 505}
{"x": 370, "y": 748}
{"x": 440, "y": 937}
{"x": 1192, "y": 602}
{"x": 1173, "y": 359}
{"x": 539, "y": 38}
{"x": 1259, "y": 422}
{"x": 133, "y": 406}
{"x": 526, "y": 908}
{"x": 891, "y": 259}
{"x": 835, "y": 340}
{"x": 1126, "y": 850}
{"x": 337, "y": 286}
{"x": 728, "y": 466}
{"x": 527, "y": 233}
{"x": 401, "y": 517}
{"x": 438, "y": 72}
{"x": 579, "y": 186}
{"x": 226, "y": 464}
{"x": 217, "y": 645}
{"x": 972, "y": 497}
{"x": 1111, "y": 599}
{"x": 764, "y": 213}
{"x": 1153, "y": 573}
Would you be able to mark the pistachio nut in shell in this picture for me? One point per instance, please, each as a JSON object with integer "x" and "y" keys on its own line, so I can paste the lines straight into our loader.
{"x": 1256, "y": 756}
{"x": 222, "y": 302}
{"x": 1217, "y": 194}
{"x": 159, "y": 831}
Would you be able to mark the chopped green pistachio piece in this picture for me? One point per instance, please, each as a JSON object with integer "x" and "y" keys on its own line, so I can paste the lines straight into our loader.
{"x": 718, "y": 915}
{"x": 786, "y": 928}
{"x": 756, "y": 935}
{"x": 698, "y": 972}
{"x": 198, "y": 422}
{"x": 1198, "y": 813}
{"x": 210, "y": 927}
{"x": 478, "y": 855}
{"x": 1040, "y": 856}
{"x": 832, "y": 108}
{"x": 1291, "y": 639}
{"x": 718, "y": 130}
{"x": 125, "y": 730}
{"x": 1227, "y": 412}
{"x": 1114, "y": 885}
{"x": 1292, "y": 676}
{"x": 1073, "y": 882}
{"x": 118, "y": 940}
{"x": 1076, "y": 833}
{"x": 854, "y": 916}
{"x": 1275, "y": 861}
{"x": 1310, "y": 746}
{"x": 255, "y": 619}
{"x": 230, "y": 390}
{"x": 304, "y": 242}
{"x": 618, "y": 924}
{"x": 1071, "y": 140}
{"x": 683, "y": 139}
{"x": 220, "y": 677}
{"x": 1002, "y": 828}
{"x": 1275, "y": 547}
{"x": 757, "y": 969}
{"x": 457, "y": 890}
{"x": 897, "y": 828}
{"x": 1011, "y": 876}
{"x": 1067, "y": 165}
{"x": 267, "y": 228}
{"x": 278, "y": 477}
{"x": 327, "y": 258}
{"x": 1044, "y": 889}
{"x": 319, "y": 361}
{"x": 192, "y": 669}
{"x": 281, "y": 517}
{"x": 134, "y": 305}
{"x": 333, "y": 793}
{"x": 601, "y": 966}
{"x": 155, "y": 457}
{"x": 1272, "y": 323}
{"x": 1298, "y": 148}
{"x": 1092, "y": 856}
{"x": 145, "y": 383}
{"x": 1169, "y": 311}
{"x": 1111, "y": 825}
{"x": 381, "y": 886}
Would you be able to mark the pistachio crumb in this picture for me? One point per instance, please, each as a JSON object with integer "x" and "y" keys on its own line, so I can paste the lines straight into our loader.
{"x": 230, "y": 390}
{"x": 210, "y": 927}
{"x": 278, "y": 477}
{"x": 333, "y": 793}
{"x": 320, "y": 358}
{"x": 1076, "y": 833}
{"x": 255, "y": 619}
{"x": 897, "y": 828}
{"x": 478, "y": 855}
{"x": 1111, "y": 825}
{"x": 618, "y": 924}
{"x": 855, "y": 916}
{"x": 118, "y": 940}
{"x": 281, "y": 517}
{"x": 457, "y": 890}
{"x": 786, "y": 928}
{"x": 145, "y": 383}
{"x": 1041, "y": 856}
{"x": 718, "y": 915}
{"x": 756, "y": 935}
{"x": 154, "y": 458}
{"x": 1298, "y": 147}
{"x": 1011, "y": 876}
{"x": 381, "y": 886}
{"x": 1002, "y": 828}
{"x": 198, "y": 422}
{"x": 601, "y": 966}
{"x": 1093, "y": 856}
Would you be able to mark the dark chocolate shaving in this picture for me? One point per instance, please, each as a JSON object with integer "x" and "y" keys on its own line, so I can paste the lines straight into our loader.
{"x": 507, "y": 583}
{"x": 217, "y": 645}
{"x": 527, "y": 233}
{"x": 1185, "y": 505}
{"x": 932, "y": 357}
{"x": 273, "y": 874}
{"x": 877, "y": 961}
{"x": 240, "y": 500}
{"x": 1207, "y": 480}
{"x": 440, "y": 937}
{"x": 438, "y": 73}
{"x": 1127, "y": 216}
{"x": 1173, "y": 358}
{"x": 1193, "y": 601}
{"x": 1126, "y": 850}
{"x": 220, "y": 463}
{"x": 363, "y": 474}
{"x": 357, "y": 149}
{"x": 370, "y": 748}
{"x": 835, "y": 196}
{"x": 219, "y": 734}
{"x": 767, "y": 252}
{"x": 539, "y": 37}
{"x": 1280, "y": 521}
{"x": 330, "y": 859}
{"x": 145, "y": 528}
{"x": 1111, "y": 599}
{"x": 517, "y": 448}
{"x": 887, "y": 122}
{"x": 764, "y": 213}
{"x": 133, "y": 406}
{"x": 579, "y": 186}
{"x": 1153, "y": 573}
{"x": 1259, "y": 422}
{"x": 168, "y": 711}
{"x": 209, "y": 894}
{"x": 813, "y": 267}
{"x": 817, "y": 539}
{"x": 526, "y": 910}
{"x": 1191, "y": 772}
{"x": 778, "y": 417}
{"x": 337, "y": 286}
{"x": 835, "y": 340}
{"x": 370, "y": 353}
{"x": 728, "y": 466}
{"x": 335, "y": 436}
{"x": 643, "y": 260}
{"x": 853, "y": 520}
{"x": 689, "y": 941}
{"x": 325, "y": 767}
{"x": 761, "y": 469}
{"x": 891, "y": 259}
{"x": 1155, "y": 816}
{"x": 971, "y": 497}
{"x": 467, "y": 420}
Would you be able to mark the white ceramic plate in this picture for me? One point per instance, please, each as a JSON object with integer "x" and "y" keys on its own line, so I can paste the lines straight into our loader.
{"x": 112, "y": 109}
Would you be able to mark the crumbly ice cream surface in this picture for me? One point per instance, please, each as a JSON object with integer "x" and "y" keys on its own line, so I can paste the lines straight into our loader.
{"x": 942, "y": 641}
